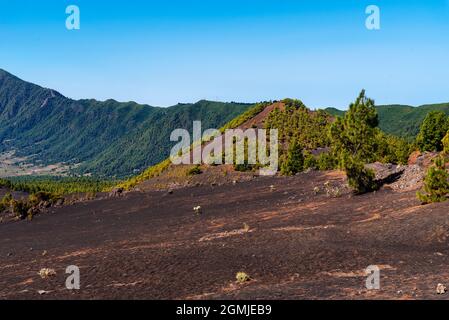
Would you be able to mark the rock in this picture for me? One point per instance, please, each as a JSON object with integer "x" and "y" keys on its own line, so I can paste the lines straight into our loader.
{"x": 41, "y": 292}
{"x": 197, "y": 210}
{"x": 413, "y": 157}
{"x": 397, "y": 177}
{"x": 441, "y": 289}
{"x": 424, "y": 160}
{"x": 411, "y": 179}
{"x": 385, "y": 171}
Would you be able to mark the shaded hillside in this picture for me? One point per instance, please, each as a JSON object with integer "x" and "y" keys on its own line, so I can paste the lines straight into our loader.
{"x": 109, "y": 138}
{"x": 401, "y": 120}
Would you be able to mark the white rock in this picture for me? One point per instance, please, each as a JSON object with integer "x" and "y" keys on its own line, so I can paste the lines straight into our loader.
{"x": 441, "y": 288}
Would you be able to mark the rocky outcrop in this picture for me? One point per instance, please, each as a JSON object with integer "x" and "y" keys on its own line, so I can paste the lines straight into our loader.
{"x": 399, "y": 177}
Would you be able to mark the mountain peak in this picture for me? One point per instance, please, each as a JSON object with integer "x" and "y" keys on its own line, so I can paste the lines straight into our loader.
{"x": 11, "y": 82}
{"x": 6, "y": 74}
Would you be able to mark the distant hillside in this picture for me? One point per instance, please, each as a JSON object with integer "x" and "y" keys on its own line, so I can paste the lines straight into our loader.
{"x": 109, "y": 138}
{"x": 335, "y": 112}
{"x": 401, "y": 120}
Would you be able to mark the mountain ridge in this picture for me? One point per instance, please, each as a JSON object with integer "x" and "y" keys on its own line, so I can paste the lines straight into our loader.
{"x": 119, "y": 139}
{"x": 108, "y": 138}
{"x": 399, "y": 119}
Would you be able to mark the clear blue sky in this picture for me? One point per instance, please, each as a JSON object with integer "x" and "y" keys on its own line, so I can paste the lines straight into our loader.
{"x": 164, "y": 52}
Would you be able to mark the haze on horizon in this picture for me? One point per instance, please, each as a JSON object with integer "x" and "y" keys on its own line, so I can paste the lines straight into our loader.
{"x": 162, "y": 53}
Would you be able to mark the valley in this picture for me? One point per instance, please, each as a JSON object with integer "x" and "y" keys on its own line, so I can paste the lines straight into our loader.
{"x": 13, "y": 166}
{"x": 108, "y": 139}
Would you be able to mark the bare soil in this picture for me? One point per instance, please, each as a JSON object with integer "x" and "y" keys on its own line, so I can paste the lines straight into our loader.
{"x": 293, "y": 238}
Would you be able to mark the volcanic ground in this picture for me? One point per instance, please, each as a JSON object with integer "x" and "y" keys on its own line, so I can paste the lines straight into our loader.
{"x": 301, "y": 237}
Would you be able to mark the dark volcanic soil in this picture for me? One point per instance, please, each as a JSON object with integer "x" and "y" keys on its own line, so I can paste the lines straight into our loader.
{"x": 300, "y": 245}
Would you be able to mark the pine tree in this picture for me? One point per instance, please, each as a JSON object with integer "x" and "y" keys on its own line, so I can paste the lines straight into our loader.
{"x": 445, "y": 142}
{"x": 433, "y": 129}
{"x": 355, "y": 134}
{"x": 354, "y": 142}
{"x": 294, "y": 161}
{"x": 436, "y": 183}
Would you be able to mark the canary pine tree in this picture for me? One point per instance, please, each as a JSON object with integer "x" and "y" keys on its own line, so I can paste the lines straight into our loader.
{"x": 433, "y": 129}
{"x": 294, "y": 161}
{"x": 436, "y": 183}
{"x": 354, "y": 142}
{"x": 445, "y": 142}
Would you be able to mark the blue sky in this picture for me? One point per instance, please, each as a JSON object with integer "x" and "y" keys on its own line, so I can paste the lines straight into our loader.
{"x": 164, "y": 52}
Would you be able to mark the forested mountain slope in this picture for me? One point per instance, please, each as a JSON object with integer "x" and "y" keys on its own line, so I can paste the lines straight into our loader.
{"x": 108, "y": 138}
{"x": 401, "y": 120}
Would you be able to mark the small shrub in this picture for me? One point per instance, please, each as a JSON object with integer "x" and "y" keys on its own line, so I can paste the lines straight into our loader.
{"x": 360, "y": 179}
{"x": 446, "y": 144}
{"x": 326, "y": 161}
{"x": 20, "y": 208}
{"x": 244, "y": 167}
{"x": 309, "y": 161}
{"x": 294, "y": 161}
{"x": 436, "y": 184}
{"x": 45, "y": 273}
{"x": 242, "y": 277}
{"x": 195, "y": 170}
{"x": 42, "y": 196}
{"x": 5, "y": 203}
{"x": 7, "y": 199}
{"x": 334, "y": 192}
